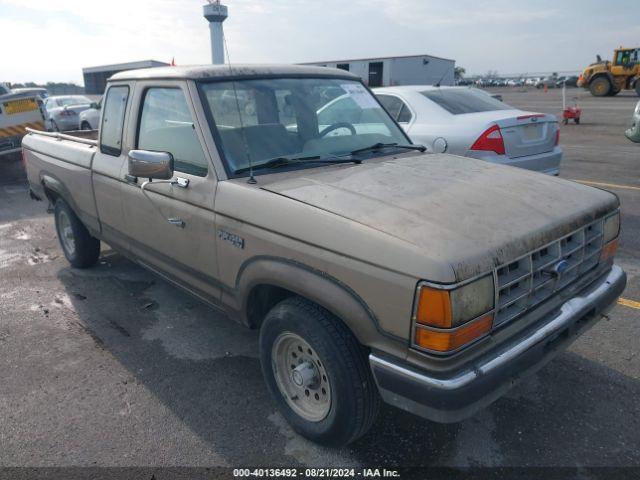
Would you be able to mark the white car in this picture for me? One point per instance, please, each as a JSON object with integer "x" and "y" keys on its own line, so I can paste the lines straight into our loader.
{"x": 470, "y": 122}
{"x": 90, "y": 118}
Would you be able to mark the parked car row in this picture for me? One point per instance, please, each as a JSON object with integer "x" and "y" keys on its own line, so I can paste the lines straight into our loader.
{"x": 538, "y": 82}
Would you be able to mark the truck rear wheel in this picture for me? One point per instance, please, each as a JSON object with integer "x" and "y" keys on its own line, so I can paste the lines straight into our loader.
{"x": 79, "y": 247}
{"x": 600, "y": 87}
{"x": 317, "y": 372}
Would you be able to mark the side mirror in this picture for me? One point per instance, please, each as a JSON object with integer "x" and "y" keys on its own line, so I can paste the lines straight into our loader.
{"x": 146, "y": 164}
{"x": 94, "y": 105}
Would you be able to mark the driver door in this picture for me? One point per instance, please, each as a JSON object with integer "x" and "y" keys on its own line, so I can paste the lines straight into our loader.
{"x": 172, "y": 226}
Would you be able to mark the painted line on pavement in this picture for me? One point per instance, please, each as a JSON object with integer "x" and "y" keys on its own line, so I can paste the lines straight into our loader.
{"x": 610, "y": 185}
{"x": 629, "y": 303}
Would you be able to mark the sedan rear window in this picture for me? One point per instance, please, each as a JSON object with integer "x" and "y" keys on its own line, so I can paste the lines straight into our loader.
{"x": 468, "y": 100}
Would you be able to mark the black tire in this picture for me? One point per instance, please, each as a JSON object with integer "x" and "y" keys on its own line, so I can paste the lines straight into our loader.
{"x": 86, "y": 249}
{"x": 565, "y": 121}
{"x": 354, "y": 399}
{"x": 577, "y": 120}
{"x": 600, "y": 87}
{"x": 85, "y": 126}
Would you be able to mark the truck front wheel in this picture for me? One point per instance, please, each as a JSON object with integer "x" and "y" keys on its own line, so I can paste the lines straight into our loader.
{"x": 79, "y": 247}
{"x": 600, "y": 87}
{"x": 317, "y": 372}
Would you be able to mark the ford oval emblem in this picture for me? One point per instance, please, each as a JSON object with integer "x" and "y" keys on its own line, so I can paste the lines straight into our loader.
{"x": 557, "y": 269}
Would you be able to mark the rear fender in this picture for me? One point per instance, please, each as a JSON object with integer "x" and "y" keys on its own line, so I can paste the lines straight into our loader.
{"x": 54, "y": 188}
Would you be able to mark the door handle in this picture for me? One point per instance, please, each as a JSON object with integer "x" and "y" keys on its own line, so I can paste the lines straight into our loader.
{"x": 181, "y": 182}
{"x": 130, "y": 178}
{"x": 176, "y": 221}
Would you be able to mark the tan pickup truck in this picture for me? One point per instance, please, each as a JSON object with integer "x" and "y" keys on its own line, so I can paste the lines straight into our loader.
{"x": 373, "y": 270}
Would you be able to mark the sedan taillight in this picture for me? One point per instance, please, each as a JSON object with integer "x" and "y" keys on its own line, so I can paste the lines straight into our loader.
{"x": 490, "y": 141}
{"x": 67, "y": 113}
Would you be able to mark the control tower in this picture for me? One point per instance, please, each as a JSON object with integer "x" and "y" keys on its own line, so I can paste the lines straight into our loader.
{"x": 215, "y": 13}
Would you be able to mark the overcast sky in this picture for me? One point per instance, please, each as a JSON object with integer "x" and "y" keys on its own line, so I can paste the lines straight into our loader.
{"x": 51, "y": 40}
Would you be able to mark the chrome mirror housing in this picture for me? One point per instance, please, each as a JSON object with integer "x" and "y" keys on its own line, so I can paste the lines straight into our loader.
{"x": 147, "y": 164}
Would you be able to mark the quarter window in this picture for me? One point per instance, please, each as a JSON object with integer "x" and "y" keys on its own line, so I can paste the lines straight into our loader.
{"x": 113, "y": 120}
{"x": 396, "y": 108}
{"x": 166, "y": 125}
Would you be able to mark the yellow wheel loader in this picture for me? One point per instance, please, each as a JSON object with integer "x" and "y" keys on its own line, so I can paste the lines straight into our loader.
{"x": 605, "y": 78}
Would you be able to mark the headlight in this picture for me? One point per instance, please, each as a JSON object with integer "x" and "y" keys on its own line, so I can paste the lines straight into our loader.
{"x": 610, "y": 232}
{"x": 446, "y": 319}
{"x": 611, "y": 227}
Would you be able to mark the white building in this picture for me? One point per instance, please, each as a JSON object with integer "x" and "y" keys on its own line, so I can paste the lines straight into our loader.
{"x": 407, "y": 70}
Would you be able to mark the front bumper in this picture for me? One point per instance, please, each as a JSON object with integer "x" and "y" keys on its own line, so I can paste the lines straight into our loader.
{"x": 462, "y": 393}
{"x": 66, "y": 124}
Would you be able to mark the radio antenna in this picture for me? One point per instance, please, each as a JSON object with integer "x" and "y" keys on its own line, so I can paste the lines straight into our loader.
{"x": 252, "y": 179}
{"x": 442, "y": 77}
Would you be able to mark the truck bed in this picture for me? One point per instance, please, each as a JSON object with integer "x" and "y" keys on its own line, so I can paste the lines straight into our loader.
{"x": 59, "y": 164}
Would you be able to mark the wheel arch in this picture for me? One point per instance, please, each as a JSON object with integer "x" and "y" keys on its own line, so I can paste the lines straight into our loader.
{"x": 262, "y": 282}
{"x": 54, "y": 189}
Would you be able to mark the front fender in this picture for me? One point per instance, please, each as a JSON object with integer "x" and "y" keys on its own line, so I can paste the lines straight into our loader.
{"x": 318, "y": 287}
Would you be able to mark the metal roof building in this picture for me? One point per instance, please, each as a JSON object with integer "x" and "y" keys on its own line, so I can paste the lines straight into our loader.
{"x": 404, "y": 70}
{"x": 95, "y": 78}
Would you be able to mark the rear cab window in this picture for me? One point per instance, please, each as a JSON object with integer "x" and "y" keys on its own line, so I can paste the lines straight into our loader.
{"x": 458, "y": 101}
{"x": 166, "y": 125}
{"x": 113, "y": 120}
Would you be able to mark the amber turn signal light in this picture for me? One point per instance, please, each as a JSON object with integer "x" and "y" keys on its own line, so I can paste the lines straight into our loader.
{"x": 440, "y": 341}
{"x": 434, "y": 308}
{"x": 609, "y": 250}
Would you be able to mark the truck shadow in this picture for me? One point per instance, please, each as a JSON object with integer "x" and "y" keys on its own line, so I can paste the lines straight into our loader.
{"x": 205, "y": 369}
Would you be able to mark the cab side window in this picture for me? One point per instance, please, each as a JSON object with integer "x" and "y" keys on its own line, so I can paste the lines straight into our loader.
{"x": 166, "y": 125}
{"x": 113, "y": 120}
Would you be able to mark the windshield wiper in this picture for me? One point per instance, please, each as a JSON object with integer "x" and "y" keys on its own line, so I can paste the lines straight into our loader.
{"x": 286, "y": 161}
{"x": 380, "y": 146}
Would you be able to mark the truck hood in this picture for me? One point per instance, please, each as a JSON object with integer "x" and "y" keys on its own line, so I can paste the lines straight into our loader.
{"x": 471, "y": 214}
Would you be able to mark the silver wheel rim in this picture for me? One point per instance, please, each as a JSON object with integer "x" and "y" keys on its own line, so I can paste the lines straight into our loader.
{"x": 301, "y": 377}
{"x": 66, "y": 233}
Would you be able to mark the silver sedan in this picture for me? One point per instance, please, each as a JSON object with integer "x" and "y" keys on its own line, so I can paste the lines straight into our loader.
{"x": 63, "y": 111}
{"x": 470, "y": 122}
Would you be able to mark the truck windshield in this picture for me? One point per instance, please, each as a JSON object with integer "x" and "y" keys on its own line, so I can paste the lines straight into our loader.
{"x": 264, "y": 119}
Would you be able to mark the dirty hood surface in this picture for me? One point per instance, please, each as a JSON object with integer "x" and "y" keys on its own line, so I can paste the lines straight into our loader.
{"x": 472, "y": 214}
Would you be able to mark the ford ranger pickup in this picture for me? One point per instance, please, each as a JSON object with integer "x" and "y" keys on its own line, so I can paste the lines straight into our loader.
{"x": 373, "y": 271}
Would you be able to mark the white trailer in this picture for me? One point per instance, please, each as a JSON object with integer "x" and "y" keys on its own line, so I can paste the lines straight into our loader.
{"x": 18, "y": 111}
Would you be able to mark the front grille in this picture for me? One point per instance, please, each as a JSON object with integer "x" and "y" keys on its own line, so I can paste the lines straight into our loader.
{"x": 526, "y": 282}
